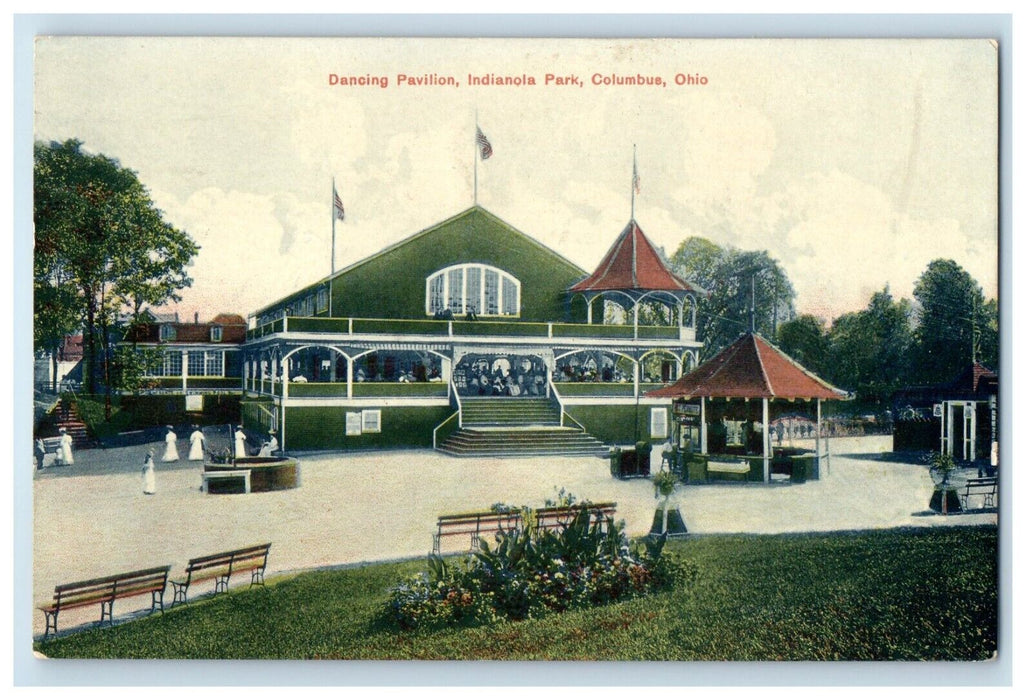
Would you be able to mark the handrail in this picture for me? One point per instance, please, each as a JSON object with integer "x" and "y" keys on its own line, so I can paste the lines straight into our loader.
{"x": 459, "y": 401}
{"x": 434, "y": 439}
{"x": 573, "y": 420}
{"x": 556, "y": 396}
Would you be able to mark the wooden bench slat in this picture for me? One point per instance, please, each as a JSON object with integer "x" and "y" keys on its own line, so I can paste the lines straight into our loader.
{"x": 106, "y": 590}
{"x": 221, "y": 566}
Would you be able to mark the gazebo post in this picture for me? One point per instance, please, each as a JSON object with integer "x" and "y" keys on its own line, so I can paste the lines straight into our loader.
{"x": 817, "y": 441}
{"x": 767, "y": 440}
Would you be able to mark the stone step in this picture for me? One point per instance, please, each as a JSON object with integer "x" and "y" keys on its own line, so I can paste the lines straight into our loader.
{"x": 501, "y": 442}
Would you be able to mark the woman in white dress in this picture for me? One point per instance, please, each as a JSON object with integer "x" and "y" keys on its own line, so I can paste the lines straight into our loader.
{"x": 66, "y": 448}
{"x": 171, "y": 451}
{"x": 271, "y": 446}
{"x": 196, "y": 445}
{"x": 148, "y": 474}
{"x": 239, "y": 450}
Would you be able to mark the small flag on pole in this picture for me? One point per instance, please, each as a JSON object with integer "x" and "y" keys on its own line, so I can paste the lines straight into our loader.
{"x": 635, "y": 182}
{"x": 338, "y": 206}
{"x": 484, "y": 144}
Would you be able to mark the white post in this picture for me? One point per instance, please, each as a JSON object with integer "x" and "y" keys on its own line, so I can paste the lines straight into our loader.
{"x": 185, "y": 362}
{"x": 817, "y": 442}
{"x": 703, "y": 424}
{"x": 767, "y": 441}
{"x": 351, "y": 364}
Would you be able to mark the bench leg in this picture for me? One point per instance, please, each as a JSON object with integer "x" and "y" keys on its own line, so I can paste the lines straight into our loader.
{"x": 179, "y": 593}
{"x": 436, "y": 549}
{"x": 158, "y": 601}
{"x": 475, "y": 542}
{"x": 222, "y": 584}
{"x": 257, "y": 577}
{"x": 51, "y": 616}
{"x": 107, "y": 608}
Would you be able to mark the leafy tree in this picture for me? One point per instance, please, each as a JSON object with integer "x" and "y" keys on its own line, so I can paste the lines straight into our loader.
{"x": 738, "y": 281}
{"x": 131, "y": 366}
{"x": 954, "y": 323}
{"x": 806, "y": 340}
{"x": 99, "y": 234}
{"x": 869, "y": 348}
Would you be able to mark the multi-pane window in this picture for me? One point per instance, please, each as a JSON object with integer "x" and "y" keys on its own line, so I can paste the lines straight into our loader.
{"x": 172, "y": 366}
{"x": 491, "y": 292}
{"x": 216, "y": 334}
{"x": 482, "y": 289}
{"x": 167, "y": 332}
{"x": 201, "y": 363}
{"x": 321, "y": 300}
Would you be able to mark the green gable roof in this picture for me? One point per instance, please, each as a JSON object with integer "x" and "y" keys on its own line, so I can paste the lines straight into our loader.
{"x": 392, "y": 283}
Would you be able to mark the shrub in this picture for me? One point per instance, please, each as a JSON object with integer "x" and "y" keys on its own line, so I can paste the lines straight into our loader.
{"x": 529, "y": 574}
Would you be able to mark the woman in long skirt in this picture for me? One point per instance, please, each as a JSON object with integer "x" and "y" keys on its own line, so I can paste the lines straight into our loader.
{"x": 171, "y": 451}
{"x": 65, "y": 451}
{"x": 240, "y": 450}
{"x": 148, "y": 474}
{"x": 196, "y": 445}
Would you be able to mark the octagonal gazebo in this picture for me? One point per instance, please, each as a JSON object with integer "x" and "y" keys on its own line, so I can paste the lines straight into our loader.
{"x": 751, "y": 369}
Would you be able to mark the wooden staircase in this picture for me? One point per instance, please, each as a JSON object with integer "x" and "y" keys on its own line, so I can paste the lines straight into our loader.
{"x": 66, "y": 416}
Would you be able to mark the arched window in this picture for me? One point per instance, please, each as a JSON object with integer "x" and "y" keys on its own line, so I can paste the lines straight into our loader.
{"x": 480, "y": 289}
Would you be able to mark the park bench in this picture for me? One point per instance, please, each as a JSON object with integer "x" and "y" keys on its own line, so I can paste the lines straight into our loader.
{"x": 106, "y": 590}
{"x": 221, "y": 566}
{"x": 52, "y": 446}
{"x": 731, "y": 471}
{"x": 983, "y": 486}
{"x": 226, "y": 474}
{"x": 474, "y": 524}
{"x": 558, "y": 517}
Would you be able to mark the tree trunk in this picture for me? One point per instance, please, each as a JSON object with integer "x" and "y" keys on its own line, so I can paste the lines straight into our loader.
{"x": 90, "y": 355}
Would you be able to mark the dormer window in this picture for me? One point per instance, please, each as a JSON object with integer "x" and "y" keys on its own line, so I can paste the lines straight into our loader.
{"x": 167, "y": 332}
{"x": 480, "y": 289}
{"x": 216, "y": 334}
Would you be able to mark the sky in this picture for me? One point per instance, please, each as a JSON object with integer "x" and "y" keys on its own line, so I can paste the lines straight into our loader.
{"x": 854, "y": 163}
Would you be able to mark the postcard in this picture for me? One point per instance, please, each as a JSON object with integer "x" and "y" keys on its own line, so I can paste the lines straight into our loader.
{"x": 516, "y": 349}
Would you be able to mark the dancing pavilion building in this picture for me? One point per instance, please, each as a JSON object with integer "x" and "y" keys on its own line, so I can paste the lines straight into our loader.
{"x": 476, "y": 339}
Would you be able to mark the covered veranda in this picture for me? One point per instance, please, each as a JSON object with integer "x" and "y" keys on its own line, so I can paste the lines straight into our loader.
{"x": 730, "y": 403}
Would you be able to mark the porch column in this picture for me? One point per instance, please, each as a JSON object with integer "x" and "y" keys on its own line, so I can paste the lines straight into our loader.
{"x": 638, "y": 370}
{"x": 285, "y": 376}
{"x": 246, "y": 366}
{"x": 703, "y": 424}
{"x": 636, "y": 319}
{"x": 350, "y": 364}
{"x": 184, "y": 361}
{"x": 767, "y": 441}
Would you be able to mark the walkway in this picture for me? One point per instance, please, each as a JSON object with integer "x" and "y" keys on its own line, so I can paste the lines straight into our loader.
{"x": 92, "y": 519}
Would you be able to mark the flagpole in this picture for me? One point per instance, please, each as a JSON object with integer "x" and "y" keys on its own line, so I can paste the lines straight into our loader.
{"x": 476, "y": 149}
{"x": 333, "y": 242}
{"x": 634, "y": 174}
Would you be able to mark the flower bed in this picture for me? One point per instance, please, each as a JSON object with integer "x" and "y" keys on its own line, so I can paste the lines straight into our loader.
{"x": 530, "y": 573}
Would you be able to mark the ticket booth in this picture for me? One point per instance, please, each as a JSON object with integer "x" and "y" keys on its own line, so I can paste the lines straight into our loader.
{"x": 688, "y": 431}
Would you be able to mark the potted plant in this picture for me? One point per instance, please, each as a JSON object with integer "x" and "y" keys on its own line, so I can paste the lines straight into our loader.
{"x": 945, "y": 495}
{"x": 667, "y": 521}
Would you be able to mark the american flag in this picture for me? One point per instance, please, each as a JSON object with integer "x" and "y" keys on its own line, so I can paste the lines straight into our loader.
{"x": 338, "y": 206}
{"x": 635, "y": 182}
{"x": 485, "y": 146}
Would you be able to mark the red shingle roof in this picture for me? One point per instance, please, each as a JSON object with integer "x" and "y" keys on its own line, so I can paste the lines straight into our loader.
{"x": 750, "y": 368}
{"x": 633, "y": 263}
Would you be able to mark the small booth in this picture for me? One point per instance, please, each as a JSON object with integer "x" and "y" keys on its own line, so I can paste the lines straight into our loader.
{"x": 740, "y": 416}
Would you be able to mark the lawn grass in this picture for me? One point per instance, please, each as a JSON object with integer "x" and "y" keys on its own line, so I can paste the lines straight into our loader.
{"x": 909, "y": 594}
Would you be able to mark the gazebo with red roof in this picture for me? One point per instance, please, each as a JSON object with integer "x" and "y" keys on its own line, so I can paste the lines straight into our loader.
{"x": 633, "y": 272}
{"x": 750, "y": 368}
